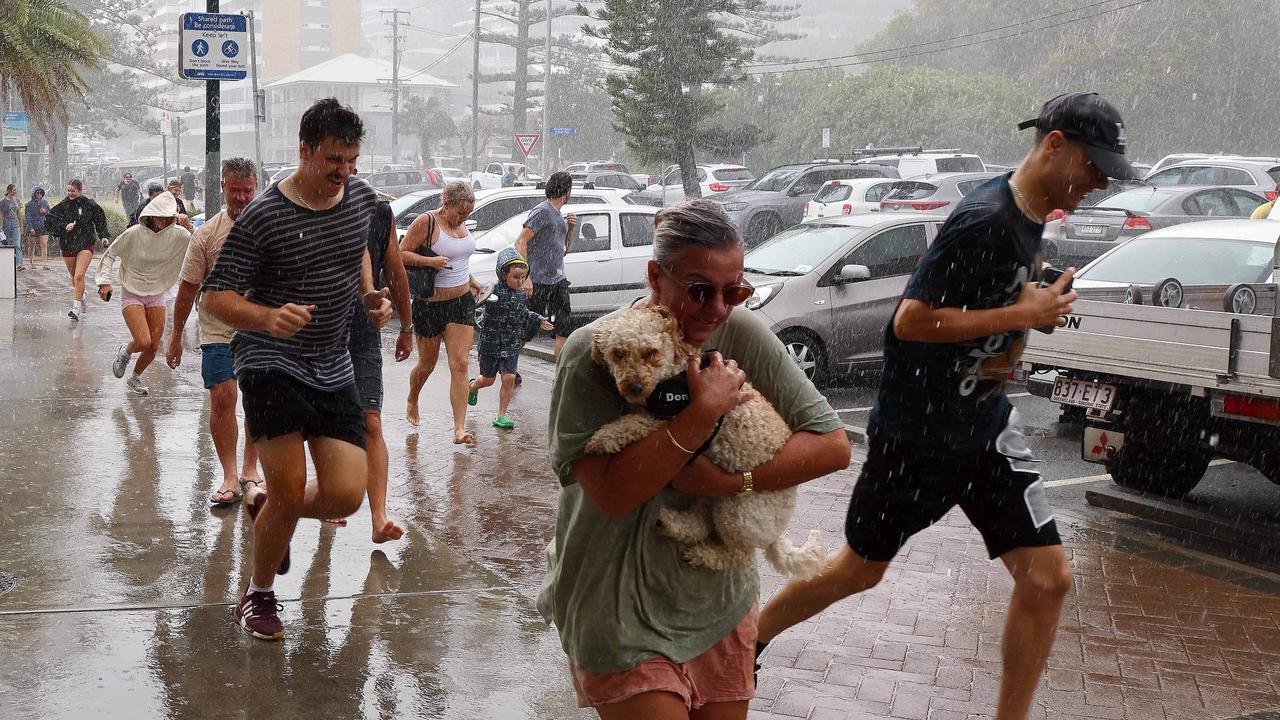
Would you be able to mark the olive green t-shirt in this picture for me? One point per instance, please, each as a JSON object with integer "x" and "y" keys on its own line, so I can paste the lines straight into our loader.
{"x": 617, "y": 590}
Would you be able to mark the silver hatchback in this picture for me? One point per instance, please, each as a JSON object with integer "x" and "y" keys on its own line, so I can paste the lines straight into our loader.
{"x": 828, "y": 287}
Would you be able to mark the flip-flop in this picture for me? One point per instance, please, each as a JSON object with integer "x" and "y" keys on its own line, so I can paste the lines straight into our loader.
{"x": 504, "y": 422}
{"x": 235, "y": 498}
{"x": 473, "y": 396}
{"x": 244, "y": 485}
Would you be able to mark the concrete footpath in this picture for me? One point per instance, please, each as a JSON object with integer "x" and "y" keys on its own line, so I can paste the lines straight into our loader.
{"x": 124, "y": 577}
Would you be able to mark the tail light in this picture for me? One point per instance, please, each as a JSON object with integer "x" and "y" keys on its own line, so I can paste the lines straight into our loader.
{"x": 835, "y": 182}
{"x": 807, "y": 207}
{"x": 847, "y": 209}
{"x": 1137, "y": 222}
{"x": 1272, "y": 195}
{"x": 1251, "y": 407}
{"x": 718, "y": 187}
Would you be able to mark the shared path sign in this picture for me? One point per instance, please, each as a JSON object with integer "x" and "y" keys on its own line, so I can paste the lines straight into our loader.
{"x": 213, "y": 46}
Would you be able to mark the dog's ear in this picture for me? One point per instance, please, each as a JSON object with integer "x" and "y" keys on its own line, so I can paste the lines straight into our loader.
{"x": 598, "y": 339}
{"x": 671, "y": 326}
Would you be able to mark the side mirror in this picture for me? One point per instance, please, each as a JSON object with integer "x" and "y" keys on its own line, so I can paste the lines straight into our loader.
{"x": 796, "y": 191}
{"x": 854, "y": 273}
{"x": 470, "y": 224}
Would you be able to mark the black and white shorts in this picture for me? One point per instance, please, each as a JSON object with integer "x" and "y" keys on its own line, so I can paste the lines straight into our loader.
{"x": 904, "y": 489}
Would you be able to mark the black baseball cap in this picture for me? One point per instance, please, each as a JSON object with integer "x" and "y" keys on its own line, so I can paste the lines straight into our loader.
{"x": 1087, "y": 118}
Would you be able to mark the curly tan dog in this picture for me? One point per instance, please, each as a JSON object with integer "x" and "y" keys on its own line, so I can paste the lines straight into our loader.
{"x": 643, "y": 347}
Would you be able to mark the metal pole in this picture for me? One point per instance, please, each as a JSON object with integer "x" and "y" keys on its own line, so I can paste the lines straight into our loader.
{"x": 164, "y": 154}
{"x": 546, "y": 98}
{"x": 395, "y": 82}
{"x": 475, "y": 92}
{"x": 258, "y": 112}
{"x": 212, "y": 136}
{"x": 175, "y": 127}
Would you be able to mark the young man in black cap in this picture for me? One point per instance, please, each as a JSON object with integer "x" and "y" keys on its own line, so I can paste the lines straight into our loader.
{"x": 942, "y": 432}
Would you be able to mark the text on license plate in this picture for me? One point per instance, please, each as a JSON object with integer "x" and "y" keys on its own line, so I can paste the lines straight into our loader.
{"x": 1084, "y": 393}
{"x": 1092, "y": 229}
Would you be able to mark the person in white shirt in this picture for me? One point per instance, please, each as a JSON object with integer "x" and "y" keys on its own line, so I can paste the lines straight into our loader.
{"x": 151, "y": 255}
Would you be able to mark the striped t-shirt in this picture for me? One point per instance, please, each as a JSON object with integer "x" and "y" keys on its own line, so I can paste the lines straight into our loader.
{"x": 278, "y": 253}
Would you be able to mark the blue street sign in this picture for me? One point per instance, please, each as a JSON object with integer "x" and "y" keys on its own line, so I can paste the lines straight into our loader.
{"x": 209, "y": 46}
{"x": 563, "y": 131}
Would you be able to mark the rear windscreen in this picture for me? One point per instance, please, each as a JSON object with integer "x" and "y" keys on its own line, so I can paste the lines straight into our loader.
{"x": 910, "y": 191}
{"x": 833, "y": 193}
{"x": 960, "y": 164}
{"x": 733, "y": 174}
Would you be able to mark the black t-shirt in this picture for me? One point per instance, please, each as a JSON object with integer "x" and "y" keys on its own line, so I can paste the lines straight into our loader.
{"x": 130, "y": 192}
{"x": 949, "y": 398}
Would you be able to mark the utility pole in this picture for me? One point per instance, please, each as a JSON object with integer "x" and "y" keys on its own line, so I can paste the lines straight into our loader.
{"x": 175, "y": 127}
{"x": 475, "y": 92}
{"x": 395, "y": 81}
{"x": 259, "y": 104}
{"x": 546, "y": 98}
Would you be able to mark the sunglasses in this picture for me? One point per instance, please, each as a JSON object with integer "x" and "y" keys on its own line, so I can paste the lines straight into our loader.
{"x": 701, "y": 292}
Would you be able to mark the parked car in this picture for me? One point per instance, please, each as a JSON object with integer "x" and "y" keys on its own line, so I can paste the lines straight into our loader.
{"x": 1091, "y": 231}
{"x": 606, "y": 179}
{"x": 1177, "y": 158}
{"x": 847, "y": 196}
{"x": 1258, "y": 176}
{"x": 450, "y": 173}
{"x": 402, "y": 182}
{"x": 608, "y": 258}
{"x": 914, "y": 165}
{"x": 936, "y": 194}
{"x": 1217, "y": 253}
{"x": 495, "y": 206}
{"x": 828, "y": 287}
{"x": 601, "y": 166}
{"x": 491, "y": 176}
{"x": 776, "y": 200}
{"x": 711, "y": 179}
{"x": 1114, "y": 186}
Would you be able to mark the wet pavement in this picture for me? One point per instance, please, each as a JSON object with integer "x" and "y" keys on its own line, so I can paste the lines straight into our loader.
{"x": 125, "y": 577}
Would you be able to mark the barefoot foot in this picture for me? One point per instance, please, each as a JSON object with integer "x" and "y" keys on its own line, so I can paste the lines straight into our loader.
{"x": 462, "y": 437}
{"x": 411, "y": 414}
{"x": 385, "y": 531}
{"x": 340, "y": 522}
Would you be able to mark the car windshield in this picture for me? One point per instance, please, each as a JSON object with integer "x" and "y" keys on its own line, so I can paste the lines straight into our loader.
{"x": 960, "y": 164}
{"x": 1193, "y": 261}
{"x": 501, "y": 235}
{"x": 1136, "y": 200}
{"x": 732, "y": 174}
{"x": 777, "y": 179}
{"x": 911, "y": 191}
{"x": 833, "y": 193}
{"x": 799, "y": 249}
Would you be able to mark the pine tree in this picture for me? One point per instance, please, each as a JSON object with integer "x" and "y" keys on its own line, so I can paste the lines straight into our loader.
{"x": 670, "y": 53}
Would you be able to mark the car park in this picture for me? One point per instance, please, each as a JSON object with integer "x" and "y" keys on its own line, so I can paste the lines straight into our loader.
{"x": 608, "y": 258}
{"x": 1259, "y": 176}
{"x": 714, "y": 178}
{"x": 928, "y": 163}
{"x": 932, "y": 194}
{"x": 1091, "y": 231}
{"x": 776, "y": 200}
{"x": 847, "y": 196}
{"x": 495, "y": 206}
{"x": 491, "y": 176}
{"x": 828, "y": 287}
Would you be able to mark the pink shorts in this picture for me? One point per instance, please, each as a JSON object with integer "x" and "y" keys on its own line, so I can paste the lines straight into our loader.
{"x": 147, "y": 301}
{"x": 725, "y": 673}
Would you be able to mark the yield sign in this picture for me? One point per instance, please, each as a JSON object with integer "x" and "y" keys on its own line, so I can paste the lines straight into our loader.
{"x": 527, "y": 141}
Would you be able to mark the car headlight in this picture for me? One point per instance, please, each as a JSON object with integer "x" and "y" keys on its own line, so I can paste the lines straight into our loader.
{"x": 761, "y": 296}
{"x": 735, "y": 206}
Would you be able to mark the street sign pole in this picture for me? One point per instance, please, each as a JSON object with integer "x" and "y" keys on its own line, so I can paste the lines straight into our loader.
{"x": 212, "y": 138}
{"x": 258, "y": 112}
{"x": 209, "y": 49}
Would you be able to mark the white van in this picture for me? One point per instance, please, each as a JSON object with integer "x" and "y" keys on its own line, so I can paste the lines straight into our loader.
{"x": 928, "y": 163}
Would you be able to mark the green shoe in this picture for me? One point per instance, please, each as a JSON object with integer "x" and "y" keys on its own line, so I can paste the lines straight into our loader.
{"x": 473, "y": 397}
{"x": 504, "y": 422}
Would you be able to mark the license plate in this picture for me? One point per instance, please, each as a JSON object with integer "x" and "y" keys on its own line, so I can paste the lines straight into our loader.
{"x": 1083, "y": 393}
{"x": 1093, "y": 229}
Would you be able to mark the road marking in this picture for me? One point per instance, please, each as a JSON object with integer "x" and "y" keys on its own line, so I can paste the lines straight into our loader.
{"x": 1021, "y": 394}
{"x": 1097, "y": 478}
{"x": 857, "y": 409}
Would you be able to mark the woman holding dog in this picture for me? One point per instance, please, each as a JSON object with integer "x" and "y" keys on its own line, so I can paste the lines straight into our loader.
{"x": 647, "y": 634}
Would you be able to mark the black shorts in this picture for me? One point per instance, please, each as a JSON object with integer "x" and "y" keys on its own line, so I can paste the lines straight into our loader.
{"x": 904, "y": 489}
{"x": 275, "y": 404}
{"x": 491, "y": 366}
{"x": 367, "y": 364}
{"x": 430, "y": 318}
{"x": 552, "y": 302}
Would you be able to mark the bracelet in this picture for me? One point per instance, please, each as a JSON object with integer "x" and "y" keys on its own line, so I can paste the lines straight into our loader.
{"x": 406, "y": 328}
{"x": 675, "y": 442}
{"x": 748, "y": 484}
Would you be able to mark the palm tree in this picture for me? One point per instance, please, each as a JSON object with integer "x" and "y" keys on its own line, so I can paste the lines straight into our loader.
{"x": 43, "y": 46}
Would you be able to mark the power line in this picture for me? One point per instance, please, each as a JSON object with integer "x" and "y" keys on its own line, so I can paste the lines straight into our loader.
{"x": 894, "y": 58}
{"x": 438, "y": 60}
{"x": 429, "y": 30}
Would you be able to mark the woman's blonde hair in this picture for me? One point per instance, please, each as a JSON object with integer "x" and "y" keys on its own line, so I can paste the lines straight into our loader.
{"x": 456, "y": 192}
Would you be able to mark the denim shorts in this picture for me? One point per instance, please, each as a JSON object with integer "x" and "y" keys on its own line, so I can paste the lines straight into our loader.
{"x": 491, "y": 366}
{"x": 215, "y": 364}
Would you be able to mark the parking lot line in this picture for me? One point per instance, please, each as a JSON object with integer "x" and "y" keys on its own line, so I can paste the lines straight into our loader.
{"x": 857, "y": 409}
{"x": 1098, "y": 478}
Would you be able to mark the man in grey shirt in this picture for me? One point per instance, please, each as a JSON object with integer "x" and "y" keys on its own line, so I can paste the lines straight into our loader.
{"x": 543, "y": 243}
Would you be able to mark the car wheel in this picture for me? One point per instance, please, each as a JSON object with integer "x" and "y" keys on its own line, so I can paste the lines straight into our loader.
{"x": 806, "y": 352}
{"x": 1240, "y": 298}
{"x": 762, "y": 228}
{"x": 1167, "y": 293}
{"x": 1158, "y": 470}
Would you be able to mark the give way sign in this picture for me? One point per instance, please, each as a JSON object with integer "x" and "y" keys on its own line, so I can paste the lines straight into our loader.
{"x": 526, "y": 141}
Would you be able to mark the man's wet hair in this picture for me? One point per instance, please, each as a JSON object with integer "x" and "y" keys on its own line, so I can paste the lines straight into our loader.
{"x": 329, "y": 118}
{"x": 239, "y": 168}
{"x": 559, "y": 185}
{"x": 77, "y": 184}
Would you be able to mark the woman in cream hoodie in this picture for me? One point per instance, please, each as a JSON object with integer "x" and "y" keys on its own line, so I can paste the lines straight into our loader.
{"x": 151, "y": 255}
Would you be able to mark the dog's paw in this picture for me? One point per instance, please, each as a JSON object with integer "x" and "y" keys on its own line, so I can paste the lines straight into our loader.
{"x": 683, "y": 526}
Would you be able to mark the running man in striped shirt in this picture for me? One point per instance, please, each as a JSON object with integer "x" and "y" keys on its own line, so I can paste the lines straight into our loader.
{"x": 287, "y": 277}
